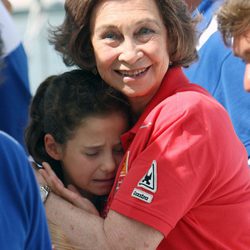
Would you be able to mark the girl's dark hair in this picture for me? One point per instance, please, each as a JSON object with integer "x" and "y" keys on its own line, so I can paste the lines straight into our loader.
{"x": 73, "y": 38}
{"x": 61, "y": 104}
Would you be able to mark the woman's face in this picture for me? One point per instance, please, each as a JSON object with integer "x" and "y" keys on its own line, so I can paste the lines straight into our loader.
{"x": 90, "y": 159}
{"x": 241, "y": 48}
{"x": 130, "y": 45}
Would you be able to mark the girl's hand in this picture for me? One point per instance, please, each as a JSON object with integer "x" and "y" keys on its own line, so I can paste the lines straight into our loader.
{"x": 70, "y": 194}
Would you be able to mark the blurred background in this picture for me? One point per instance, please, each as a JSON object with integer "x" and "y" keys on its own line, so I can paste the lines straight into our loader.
{"x": 33, "y": 18}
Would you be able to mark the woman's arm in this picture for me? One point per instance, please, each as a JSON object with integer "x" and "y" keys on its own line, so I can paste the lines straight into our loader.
{"x": 88, "y": 231}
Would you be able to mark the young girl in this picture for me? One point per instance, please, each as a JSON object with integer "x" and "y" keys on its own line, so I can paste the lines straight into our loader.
{"x": 75, "y": 125}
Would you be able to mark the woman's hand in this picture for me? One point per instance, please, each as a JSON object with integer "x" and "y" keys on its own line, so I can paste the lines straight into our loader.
{"x": 70, "y": 194}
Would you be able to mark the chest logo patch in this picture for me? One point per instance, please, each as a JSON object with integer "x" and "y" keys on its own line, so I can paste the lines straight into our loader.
{"x": 149, "y": 180}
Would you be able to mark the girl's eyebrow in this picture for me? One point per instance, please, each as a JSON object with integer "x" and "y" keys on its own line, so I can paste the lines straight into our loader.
{"x": 92, "y": 146}
{"x": 100, "y": 145}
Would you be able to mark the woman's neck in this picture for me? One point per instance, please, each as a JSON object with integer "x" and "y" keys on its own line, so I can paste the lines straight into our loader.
{"x": 138, "y": 104}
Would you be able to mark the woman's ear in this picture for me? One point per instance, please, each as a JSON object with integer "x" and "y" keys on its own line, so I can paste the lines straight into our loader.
{"x": 52, "y": 148}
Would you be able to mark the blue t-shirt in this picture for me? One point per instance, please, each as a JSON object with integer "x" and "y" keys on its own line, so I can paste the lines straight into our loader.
{"x": 22, "y": 217}
{"x": 221, "y": 73}
{"x": 15, "y": 93}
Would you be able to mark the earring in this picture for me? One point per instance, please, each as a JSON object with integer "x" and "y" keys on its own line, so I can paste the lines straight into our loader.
{"x": 170, "y": 63}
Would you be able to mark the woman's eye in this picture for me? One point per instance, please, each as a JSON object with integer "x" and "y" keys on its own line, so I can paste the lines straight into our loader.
{"x": 145, "y": 31}
{"x": 110, "y": 35}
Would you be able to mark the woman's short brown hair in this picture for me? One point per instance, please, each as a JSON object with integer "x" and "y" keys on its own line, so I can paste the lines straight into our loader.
{"x": 73, "y": 38}
{"x": 233, "y": 19}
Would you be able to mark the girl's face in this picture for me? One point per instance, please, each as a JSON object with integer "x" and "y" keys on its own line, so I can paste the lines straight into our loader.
{"x": 90, "y": 159}
{"x": 130, "y": 46}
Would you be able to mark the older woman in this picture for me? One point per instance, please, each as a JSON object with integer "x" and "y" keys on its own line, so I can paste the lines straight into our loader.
{"x": 184, "y": 182}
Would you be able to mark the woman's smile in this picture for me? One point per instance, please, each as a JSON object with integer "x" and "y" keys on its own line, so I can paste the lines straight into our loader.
{"x": 132, "y": 75}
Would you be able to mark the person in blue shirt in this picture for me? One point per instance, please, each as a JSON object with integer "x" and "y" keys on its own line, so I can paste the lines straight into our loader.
{"x": 23, "y": 224}
{"x": 234, "y": 25}
{"x": 15, "y": 93}
{"x": 218, "y": 70}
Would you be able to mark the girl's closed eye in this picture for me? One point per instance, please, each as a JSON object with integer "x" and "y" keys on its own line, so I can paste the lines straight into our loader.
{"x": 91, "y": 153}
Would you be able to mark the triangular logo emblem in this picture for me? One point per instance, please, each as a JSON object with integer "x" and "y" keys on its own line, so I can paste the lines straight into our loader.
{"x": 149, "y": 180}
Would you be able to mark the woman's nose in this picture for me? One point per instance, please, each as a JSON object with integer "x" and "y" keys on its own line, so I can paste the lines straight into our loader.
{"x": 129, "y": 52}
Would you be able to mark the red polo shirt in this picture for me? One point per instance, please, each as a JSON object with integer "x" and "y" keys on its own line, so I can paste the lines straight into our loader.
{"x": 185, "y": 172}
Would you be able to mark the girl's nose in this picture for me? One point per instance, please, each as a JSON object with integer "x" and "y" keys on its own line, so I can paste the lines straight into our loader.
{"x": 109, "y": 164}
